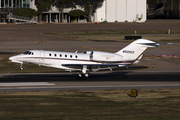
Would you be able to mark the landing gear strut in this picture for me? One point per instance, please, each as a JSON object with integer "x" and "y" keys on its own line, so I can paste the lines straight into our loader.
{"x": 21, "y": 66}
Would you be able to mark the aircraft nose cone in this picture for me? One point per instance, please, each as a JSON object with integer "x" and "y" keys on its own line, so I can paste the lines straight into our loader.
{"x": 11, "y": 58}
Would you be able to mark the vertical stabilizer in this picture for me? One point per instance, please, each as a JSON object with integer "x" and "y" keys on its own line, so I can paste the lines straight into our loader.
{"x": 136, "y": 48}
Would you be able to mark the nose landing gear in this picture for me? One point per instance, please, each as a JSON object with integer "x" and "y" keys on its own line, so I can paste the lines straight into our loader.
{"x": 21, "y": 66}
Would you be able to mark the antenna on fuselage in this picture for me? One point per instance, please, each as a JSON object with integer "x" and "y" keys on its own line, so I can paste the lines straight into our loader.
{"x": 76, "y": 51}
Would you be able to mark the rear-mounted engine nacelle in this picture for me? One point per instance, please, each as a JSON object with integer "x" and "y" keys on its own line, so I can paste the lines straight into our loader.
{"x": 105, "y": 57}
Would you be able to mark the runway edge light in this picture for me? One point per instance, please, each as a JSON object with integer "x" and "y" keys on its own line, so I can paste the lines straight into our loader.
{"x": 133, "y": 93}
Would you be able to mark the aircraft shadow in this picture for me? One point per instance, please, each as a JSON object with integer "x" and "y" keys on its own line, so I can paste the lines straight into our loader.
{"x": 109, "y": 76}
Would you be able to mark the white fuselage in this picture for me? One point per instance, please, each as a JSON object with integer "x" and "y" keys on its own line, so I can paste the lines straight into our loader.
{"x": 58, "y": 59}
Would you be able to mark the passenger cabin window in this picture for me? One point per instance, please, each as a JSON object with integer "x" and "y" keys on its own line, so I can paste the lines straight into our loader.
{"x": 49, "y": 54}
{"x": 65, "y": 55}
{"x": 55, "y": 55}
{"x": 76, "y": 56}
{"x": 60, "y": 55}
{"x": 71, "y": 56}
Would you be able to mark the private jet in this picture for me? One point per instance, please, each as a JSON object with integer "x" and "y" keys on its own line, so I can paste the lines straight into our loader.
{"x": 89, "y": 61}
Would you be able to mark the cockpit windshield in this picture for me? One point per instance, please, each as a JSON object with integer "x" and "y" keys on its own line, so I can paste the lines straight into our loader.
{"x": 28, "y": 53}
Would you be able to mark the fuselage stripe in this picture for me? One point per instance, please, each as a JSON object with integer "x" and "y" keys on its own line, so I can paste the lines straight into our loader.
{"x": 44, "y": 58}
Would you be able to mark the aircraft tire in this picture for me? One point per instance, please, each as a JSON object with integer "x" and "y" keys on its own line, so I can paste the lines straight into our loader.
{"x": 21, "y": 68}
{"x": 86, "y": 75}
{"x": 80, "y": 75}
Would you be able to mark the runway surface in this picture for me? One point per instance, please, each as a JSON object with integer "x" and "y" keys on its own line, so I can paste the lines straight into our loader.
{"x": 96, "y": 81}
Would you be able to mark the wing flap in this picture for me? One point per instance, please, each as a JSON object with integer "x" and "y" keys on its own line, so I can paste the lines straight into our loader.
{"x": 114, "y": 64}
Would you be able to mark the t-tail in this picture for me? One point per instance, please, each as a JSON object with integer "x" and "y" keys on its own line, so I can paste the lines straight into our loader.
{"x": 133, "y": 52}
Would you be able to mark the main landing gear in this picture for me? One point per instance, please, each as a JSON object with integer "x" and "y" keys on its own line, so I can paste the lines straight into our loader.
{"x": 84, "y": 72}
{"x": 81, "y": 75}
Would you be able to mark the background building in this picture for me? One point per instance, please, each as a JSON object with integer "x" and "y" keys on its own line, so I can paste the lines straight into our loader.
{"x": 121, "y": 11}
{"x": 110, "y": 10}
{"x": 13, "y": 4}
{"x": 7, "y": 5}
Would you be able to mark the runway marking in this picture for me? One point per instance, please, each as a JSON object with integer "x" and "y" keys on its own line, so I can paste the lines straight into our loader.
{"x": 162, "y": 47}
{"x": 106, "y": 87}
{"x": 25, "y": 84}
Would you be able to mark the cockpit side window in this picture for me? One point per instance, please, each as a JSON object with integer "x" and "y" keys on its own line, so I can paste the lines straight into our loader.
{"x": 28, "y": 53}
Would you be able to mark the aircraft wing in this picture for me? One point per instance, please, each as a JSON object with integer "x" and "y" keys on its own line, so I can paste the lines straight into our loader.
{"x": 93, "y": 67}
{"x": 100, "y": 66}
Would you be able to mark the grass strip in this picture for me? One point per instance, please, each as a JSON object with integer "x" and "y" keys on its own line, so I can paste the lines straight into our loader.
{"x": 118, "y": 36}
{"x": 86, "y": 105}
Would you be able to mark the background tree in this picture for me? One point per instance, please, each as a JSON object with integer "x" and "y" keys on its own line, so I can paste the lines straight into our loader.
{"x": 25, "y": 12}
{"x": 90, "y": 6}
{"x": 77, "y": 13}
{"x": 43, "y": 5}
{"x": 62, "y": 4}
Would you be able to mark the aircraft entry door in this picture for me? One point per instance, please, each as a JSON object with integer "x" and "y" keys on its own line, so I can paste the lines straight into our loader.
{"x": 42, "y": 55}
